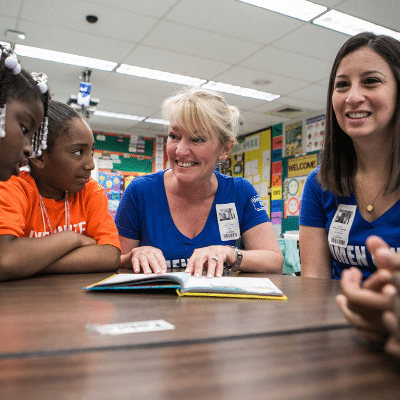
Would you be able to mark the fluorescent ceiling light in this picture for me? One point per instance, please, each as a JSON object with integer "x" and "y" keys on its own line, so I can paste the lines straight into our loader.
{"x": 300, "y": 9}
{"x": 118, "y": 115}
{"x": 349, "y": 25}
{"x": 65, "y": 58}
{"x": 157, "y": 121}
{"x": 240, "y": 91}
{"x": 159, "y": 75}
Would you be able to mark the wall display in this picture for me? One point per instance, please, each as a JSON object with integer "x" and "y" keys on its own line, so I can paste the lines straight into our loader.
{"x": 159, "y": 154}
{"x": 293, "y": 139}
{"x": 233, "y": 165}
{"x": 315, "y": 133}
{"x": 111, "y": 181}
{"x": 257, "y": 161}
{"x": 292, "y": 192}
{"x": 302, "y": 165}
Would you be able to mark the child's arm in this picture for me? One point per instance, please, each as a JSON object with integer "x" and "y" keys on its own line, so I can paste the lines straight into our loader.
{"x": 94, "y": 258}
{"x": 23, "y": 257}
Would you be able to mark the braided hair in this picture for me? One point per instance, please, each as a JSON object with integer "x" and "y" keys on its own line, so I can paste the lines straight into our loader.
{"x": 23, "y": 87}
{"x": 60, "y": 117}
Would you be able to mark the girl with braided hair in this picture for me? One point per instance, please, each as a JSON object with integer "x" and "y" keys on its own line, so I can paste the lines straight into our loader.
{"x": 23, "y": 109}
{"x": 55, "y": 218}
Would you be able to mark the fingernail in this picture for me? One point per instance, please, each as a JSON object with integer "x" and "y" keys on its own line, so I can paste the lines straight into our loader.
{"x": 197, "y": 275}
{"x": 209, "y": 276}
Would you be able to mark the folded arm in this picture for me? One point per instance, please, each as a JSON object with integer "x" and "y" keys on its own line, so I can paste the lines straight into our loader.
{"x": 23, "y": 257}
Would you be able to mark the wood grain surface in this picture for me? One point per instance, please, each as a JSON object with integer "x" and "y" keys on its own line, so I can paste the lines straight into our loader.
{"x": 54, "y": 313}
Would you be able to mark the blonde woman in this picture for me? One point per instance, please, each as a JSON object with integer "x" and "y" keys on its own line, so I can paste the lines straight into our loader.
{"x": 190, "y": 216}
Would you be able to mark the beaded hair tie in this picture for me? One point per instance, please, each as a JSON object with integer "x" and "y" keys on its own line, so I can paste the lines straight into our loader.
{"x": 11, "y": 62}
{"x": 39, "y": 139}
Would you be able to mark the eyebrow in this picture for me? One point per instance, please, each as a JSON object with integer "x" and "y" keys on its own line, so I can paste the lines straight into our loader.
{"x": 81, "y": 144}
{"x": 372, "y": 71}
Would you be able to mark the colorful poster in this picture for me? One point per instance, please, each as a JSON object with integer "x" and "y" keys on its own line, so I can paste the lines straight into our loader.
{"x": 315, "y": 133}
{"x": 293, "y": 139}
{"x": 111, "y": 181}
{"x": 292, "y": 192}
{"x": 302, "y": 165}
{"x": 277, "y": 142}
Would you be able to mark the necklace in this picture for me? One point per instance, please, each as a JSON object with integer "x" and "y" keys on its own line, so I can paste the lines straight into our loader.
{"x": 45, "y": 216}
{"x": 370, "y": 206}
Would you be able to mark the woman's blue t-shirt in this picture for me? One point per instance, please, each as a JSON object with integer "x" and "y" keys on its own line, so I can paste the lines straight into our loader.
{"x": 143, "y": 214}
{"x": 318, "y": 208}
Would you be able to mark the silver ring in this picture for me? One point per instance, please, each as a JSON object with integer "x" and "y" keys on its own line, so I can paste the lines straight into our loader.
{"x": 214, "y": 258}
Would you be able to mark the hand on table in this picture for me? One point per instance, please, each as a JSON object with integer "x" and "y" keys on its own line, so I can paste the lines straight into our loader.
{"x": 146, "y": 259}
{"x": 212, "y": 258}
{"x": 363, "y": 304}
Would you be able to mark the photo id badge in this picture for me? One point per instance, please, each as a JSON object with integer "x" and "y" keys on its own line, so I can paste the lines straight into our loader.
{"x": 228, "y": 222}
{"x": 341, "y": 224}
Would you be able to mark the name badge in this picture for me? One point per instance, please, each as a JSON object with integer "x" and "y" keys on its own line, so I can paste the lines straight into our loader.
{"x": 228, "y": 222}
{"x": 341, "y": 224}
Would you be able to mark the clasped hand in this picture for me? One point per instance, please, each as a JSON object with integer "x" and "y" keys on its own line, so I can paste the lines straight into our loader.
{"x": 148, "y": 259}
{"x": 373, "y": 306}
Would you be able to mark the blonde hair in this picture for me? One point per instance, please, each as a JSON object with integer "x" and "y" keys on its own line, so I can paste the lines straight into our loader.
{"x": 200, "y": 110}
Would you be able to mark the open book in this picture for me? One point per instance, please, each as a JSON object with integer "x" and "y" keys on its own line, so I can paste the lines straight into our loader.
{"x": 187, "y": 285}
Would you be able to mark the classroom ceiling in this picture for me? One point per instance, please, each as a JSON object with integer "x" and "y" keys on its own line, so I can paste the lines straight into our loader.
{"x": 220, "y": 40}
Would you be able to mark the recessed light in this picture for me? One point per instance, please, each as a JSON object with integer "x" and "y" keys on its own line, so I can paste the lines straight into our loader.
{"x": 261, "y": 82}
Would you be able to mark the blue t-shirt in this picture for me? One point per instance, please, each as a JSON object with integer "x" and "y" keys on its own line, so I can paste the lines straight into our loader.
{"x": 318, "y": 208}
{"x": 143, "y": 214}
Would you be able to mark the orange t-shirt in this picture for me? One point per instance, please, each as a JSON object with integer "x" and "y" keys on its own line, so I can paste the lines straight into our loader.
{"x": 21, "y": 214}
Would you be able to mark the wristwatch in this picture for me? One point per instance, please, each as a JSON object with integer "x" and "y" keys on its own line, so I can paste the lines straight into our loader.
{"x": 239, "y": 257}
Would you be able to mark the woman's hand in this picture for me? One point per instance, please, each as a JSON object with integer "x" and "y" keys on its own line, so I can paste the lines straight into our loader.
{"x": 363, "y": 304}
{"x": 391, "y": 320}
{"x": 212, "y": 258}
{"x": 145, "y": 258}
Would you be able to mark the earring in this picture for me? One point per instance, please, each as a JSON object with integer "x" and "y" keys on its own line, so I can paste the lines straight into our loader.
{"x": 2, "y": 122}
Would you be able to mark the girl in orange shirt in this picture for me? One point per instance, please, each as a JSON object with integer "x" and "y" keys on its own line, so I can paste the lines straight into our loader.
{"x": 55, "y": 219}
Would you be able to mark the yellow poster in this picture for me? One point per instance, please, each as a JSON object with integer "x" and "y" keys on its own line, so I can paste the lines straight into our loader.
{"x": 301, "y": 166}
{"x": 276, "y": 193}
{"x": 257, "y": 163}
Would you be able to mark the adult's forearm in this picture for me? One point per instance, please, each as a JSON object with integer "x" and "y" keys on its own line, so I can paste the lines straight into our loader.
{"x": 262, "y": 261}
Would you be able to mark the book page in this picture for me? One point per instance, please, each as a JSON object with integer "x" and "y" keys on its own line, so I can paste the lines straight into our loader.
{"x": 139, "y": 279}
{"x": 232, "y": 284}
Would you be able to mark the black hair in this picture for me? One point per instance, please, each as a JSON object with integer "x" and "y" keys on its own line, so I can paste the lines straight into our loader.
{"x": 339, "y": 161}
{"x": 60, "y": 116}
{"x": 20, "y": 87}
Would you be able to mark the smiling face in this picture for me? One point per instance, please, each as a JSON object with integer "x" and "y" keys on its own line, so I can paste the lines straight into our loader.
{"x": 68, "y": 165}
{"x": 194, "y": 158}
{"x": 364, "y": 95}
{"x": 23, "y": 119}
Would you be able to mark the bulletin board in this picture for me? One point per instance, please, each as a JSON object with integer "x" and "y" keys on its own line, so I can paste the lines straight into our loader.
{"x": 257, "y": 164}
{"x": 295, "y": 171}
{"x": 116, "y": 152}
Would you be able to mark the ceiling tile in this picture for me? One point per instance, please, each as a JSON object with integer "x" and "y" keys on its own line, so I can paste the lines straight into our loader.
{"x": 288, "y": 64}
{"x": 233, "y": 18}
{"x": 171, "y": 36}
{"x": 175, "y": 62}
{"x": 112, "y": 23}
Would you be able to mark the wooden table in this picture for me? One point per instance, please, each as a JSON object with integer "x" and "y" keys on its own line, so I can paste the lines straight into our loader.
{"x": 219, "y": 349}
